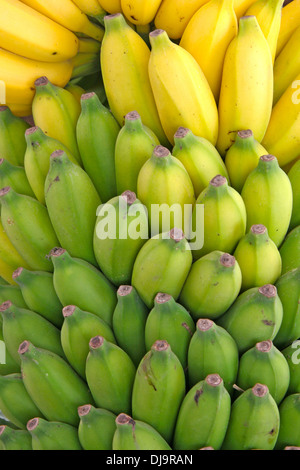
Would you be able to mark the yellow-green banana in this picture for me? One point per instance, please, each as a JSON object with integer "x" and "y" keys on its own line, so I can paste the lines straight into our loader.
{"x": 14, "y": 439}
{"x": 14, "y": 176}
{"x": 290, "y": 250}
{"x": 12, "y": 142}
{"x": 290, "y": 20}
{"x": 294, "y": 177}
{"x": 96, "y": 428}
{"x": 52, "y": 435}
{"x": 289, "y": 431}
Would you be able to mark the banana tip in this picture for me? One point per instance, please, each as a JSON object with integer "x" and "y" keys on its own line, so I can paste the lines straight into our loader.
{"x": 160, "y": 151}
{"x": 227, "y": 260}
{"x": 17, "y": 273}
{"x": 162, "y": 298}
{"x": 24, "y": 346}
{"x": 96, "y": 342}
{"x": 268, "y": 291}
{"x": 41, "y": 81}
{"x": 5, "y": 305}
{"x": 264, "y": 346}
{"x": 123, "y": 418}
{"x": 258, "y": 229}
{"x": 56, "y": 252}
{"x": 245, "y": 134}
{"x": 160, "y": 345}
{"x": 132, "y": 116}
{"x": 204, "y": 324}
{"x": 68, "y": 310}
{"x": 124, "y": 290}
{"x": 84, "y": 410}
{"x": 176, "y": 234}
{"x": 4, "y": 190}
{"x": 32, "y": 424}
{"x": 260, "y": 390}
{"x": 218, "y": 180}
{"x": 129, "y": 197}
{"x": 214, "y": 380}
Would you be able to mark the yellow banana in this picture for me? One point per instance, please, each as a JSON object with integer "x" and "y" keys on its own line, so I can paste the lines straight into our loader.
{"x": 207, "y": 36}
{"x": 27, "y": 32}
{"x": 111, "y": 6}
{"x": 89, "y": 45}
{"x": 140, "y": 12}
{"x": 76, "y": 90}
{"x": 246, "y": 94}
{"x": 241, "y": 6}
{"x": 91, "y": 8}
{"x": 20, "y": 110}
{"x": 290, "y": 20}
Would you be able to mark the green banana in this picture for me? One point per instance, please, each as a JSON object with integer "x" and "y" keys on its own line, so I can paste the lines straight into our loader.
{"x": 264, "y": 363}
{"x": 14, "y": 439}
{"x": 97, "y": 131}
{"x": 28, "y": 226}
{"x": 290, "y": 250}
{"x": 212, "y": 350}
{"x": 258, "y": 258}
{"x": 267, "y": 194}
{"x": 212, "y": 285}
{"x": 162, "y": 265}
{"x": 76, "y": 331}
{"x": 39, "y": 294}
{"x": 14, "y": 176}
{"x": 255, "y": 316}
{"x": 289, "y": 432}
{"x": 110, "y": 375}
{"x": 254, "y": 421}
{"x": 200, "y": 158}
{"x": 7, "y": 363}
{"x": 72, "y": 202}
{"x": 133, "y": 434}
{"x": 129, "y": 320}
{"x": 134, "y": 146}
{"x": 121, "y": 230}
{"x": 203, "y": 416}
{"x": 79, "y": 283}
{"x": 242, "y": 158}
{"x": 12, "y": 142}
{"x": 294, "y": 177}
{"x": 53, "y": 435}
{"x": 12, "y": 293}
{"x": 52, "y": 383}
{"x": 96, "y": 428}
{"x": 172, "y": 322}
{"x": 291, "y": 354}
{"x": 158, "y": 389}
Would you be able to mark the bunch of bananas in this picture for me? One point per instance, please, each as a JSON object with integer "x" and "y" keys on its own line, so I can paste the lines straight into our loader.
{"x": 122, "y": 328}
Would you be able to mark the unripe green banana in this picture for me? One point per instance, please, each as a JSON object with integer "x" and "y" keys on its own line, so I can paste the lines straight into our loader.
{"x": 14, "y": 439}
{"x": 172, "y": 322}
{"x": 52, "y": 383}
{"x": 21, "y": 323}
{"x": 294, "y": 177}
{"x": 129, "y": 320}
{"x": 72, "y": 202}
{"x": 121, "y": 230}
{"x": 56, "y": 111}
{"x": 291, "y": 354}
{"x": 53, "y": 435}
{"x": 224, "y": 217}
{"x": 258, "y": 258}
{"x": 15, "y": 402}
{"x": 79, "y": 283}
{"x": 14, "y": 176}
{"x": 110, "y": 374}
{"x": 12, "y": 142}
{"x": 212, "y": 285}
{"x": 76, "y": 331}
{"x": 289, "y": 432}
{"x": 254, "y": 421}
{"x": 212, "y": 350}
{"x": 264, "y": 363}
{"x": 39, "y": 294}
{"x": 39, "y": 147}
{"x": 255, "y": 316}
{"x": 28, "y": 226}
{"x": 164, "y": 183}
{"x": 290, "y": 250}
{"x": 203, "y": 416}
{"x": 134, "y": 146}
{"x": 96, "y": 428}
{"x": 133, "y": 434}
{"x": 200, "y": 158}
{"x": 162, "y": 265}
{"x": 268, "y": 197}
{"x": 12, "y": 293}
{"x": 158, "y": 389}
{"x": 288, "y": 288}
{"x": 97, "y": 131}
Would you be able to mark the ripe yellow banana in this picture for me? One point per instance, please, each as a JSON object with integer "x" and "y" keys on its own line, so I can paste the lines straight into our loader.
{"x": 91, "y": 8}
{"x": 20, "y": 110}
{"x": 27, "y": 32}
{"x": 290, "y": 20}
{"x": 241, "y": 6}
{"x": 89, "y": 45}
{"x": 111, "y": 6}
{"x": 140, "y": 12}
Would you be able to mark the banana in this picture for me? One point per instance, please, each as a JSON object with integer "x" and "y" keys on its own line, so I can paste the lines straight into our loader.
{"x": 254, "y": 421}
{"x": 8, "y": 365}
{"x": 129, "y": 320}
{"x": 181, "y": 91}
{"x": 289, "y": 410}
{"x": 162, "y": 265}
{"x": 28, "y": 33}
{"x": 15, "y": 402}
{"x": 124, "y": 64}
{"x": 242, "y": 158}
{"x": 91, "y": 8}
{"x": 212, "y": 285}
{"x": 85, "y": 64}
{"x": 291, "y": 354}
{"x": 14, "y": 439}
{"x": 76, "y": 331}
{"x": 12, "y": 142}
{"x": 290, "y": 250}
{"x": 164, "y": 184}
{"x": 290, "y": 20}
{"x": 171, "y": 321}
{"x": 111, "y": 6}
{"x": 247, "y": 81}
{"x": 255, "y": 316}
{"x": 258, "y": 258}
{"x": 158, "y": 389}
{"x": 264, "y": 363}
{"x": 96, "y": 428}
{"x": 14, "y": 176}
{"x": 110, "y": 375}
{"x": 27, "y": 225}
{"x": 207, "y": 37}
{"x": 72, "y": 202}
{"x": 79, "y": 283}
{"x": 199, "y": 157}
{"x": 53, "y": 385}
{"x": 294, "y": 177}
{"x": 12, "y": 293}
{"x": 224, "y": 220}
{"x": 20, "y": 110}
{"x": 89, "y": 45}
{"x": 241, "y": 6}
{"x": 97, "y": 131}
{"x": 203, "y": 416}
{"x": 268, "y": 198}
{"x": 134, "y": 146}
{"x": 52, "y": 435}
{"x": 133, "y": 434}
{"x": 56, "y": 111}
{"x": 140, "y": 12}
{"x": 76, "y": 90}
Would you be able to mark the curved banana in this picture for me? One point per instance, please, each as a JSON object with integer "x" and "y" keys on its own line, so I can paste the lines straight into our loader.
{"x": 96, "y": 428}
{"x": 290, "y": 250}
{"x": 290, "y": 20}
{"x": 91, "y": 8}
{"x": 12, "y": 142}
{"x": 14, "y": 176}
{"x": 140, "y": 12}
{"x": 289, "y": 411}
{"x": 294, "y": 177}
{"x": 14, "y": 439}
{"x": 52, "y": 435}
